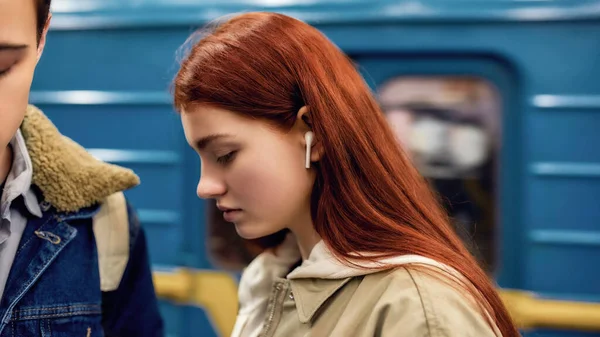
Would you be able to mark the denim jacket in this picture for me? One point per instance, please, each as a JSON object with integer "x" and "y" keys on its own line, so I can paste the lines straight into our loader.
{"x": 60, "y": 283}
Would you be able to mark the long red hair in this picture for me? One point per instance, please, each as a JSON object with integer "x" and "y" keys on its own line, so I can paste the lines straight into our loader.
{"x": 368, "y": 197}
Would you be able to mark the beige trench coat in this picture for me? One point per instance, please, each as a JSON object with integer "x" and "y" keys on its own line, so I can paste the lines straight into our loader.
{"x": 402, "y": 303}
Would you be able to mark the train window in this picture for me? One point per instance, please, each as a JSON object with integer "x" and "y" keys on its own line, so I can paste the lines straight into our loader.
{"x": 450, "y": 127}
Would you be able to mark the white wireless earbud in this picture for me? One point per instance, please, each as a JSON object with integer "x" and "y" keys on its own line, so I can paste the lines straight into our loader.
{"x": 308, "y": 137}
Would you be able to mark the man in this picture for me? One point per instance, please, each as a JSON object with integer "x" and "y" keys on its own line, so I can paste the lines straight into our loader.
{"x": 73, "y": 257}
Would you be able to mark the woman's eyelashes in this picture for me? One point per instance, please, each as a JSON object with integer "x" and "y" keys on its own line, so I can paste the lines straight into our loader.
{"x": 227, "y": 158}
{"x": 8, "y": 59}
{"x": 4, "y": 72}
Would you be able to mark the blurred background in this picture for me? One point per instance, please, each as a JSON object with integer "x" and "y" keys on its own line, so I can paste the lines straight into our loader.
{"x": 497, "y": 102}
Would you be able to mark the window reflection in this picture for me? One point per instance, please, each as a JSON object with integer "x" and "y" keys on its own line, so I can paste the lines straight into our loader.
{"x": 450, "y": 128}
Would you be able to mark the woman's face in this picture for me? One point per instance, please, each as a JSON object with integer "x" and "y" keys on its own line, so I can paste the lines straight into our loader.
{"x": 255, "y": 172}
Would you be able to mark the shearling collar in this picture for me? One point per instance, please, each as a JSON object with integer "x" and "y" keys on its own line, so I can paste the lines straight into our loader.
{"x": 69, "y": 177}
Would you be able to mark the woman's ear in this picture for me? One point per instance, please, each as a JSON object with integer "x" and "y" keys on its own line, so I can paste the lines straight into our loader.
{"x": 310, "y": 138}
{"x": 304, "y": 117}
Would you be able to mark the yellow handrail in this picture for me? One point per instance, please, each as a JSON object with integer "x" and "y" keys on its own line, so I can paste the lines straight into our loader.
{"x": 531, "y": 312}
{"x": 176, "y": 285}
{"x": 216, "y": 292}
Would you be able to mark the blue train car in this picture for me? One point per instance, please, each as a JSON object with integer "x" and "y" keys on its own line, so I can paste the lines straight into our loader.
{"x": 518, "y": 78}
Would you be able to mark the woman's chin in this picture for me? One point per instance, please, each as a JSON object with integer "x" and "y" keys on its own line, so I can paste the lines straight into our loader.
{"x": 250, "y": 232}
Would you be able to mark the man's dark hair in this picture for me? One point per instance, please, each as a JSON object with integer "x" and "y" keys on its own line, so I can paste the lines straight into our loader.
{"x": 43, "y": 10}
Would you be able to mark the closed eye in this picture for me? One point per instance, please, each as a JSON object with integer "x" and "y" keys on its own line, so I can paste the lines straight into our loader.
{"x": 9, "y": 56}
{"x": 4, "y": 72}
{"x": 226, "y": 159}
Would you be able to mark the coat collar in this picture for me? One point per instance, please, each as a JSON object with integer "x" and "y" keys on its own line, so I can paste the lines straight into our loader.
{"x": 321, "y": 275}
{"x": 311, "y": 294}
{"x": 316, "y": 280}
{"x": 67, "y": 175}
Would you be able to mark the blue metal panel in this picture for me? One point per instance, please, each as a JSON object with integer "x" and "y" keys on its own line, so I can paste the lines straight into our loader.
{"x": 119, "y": 126}
{"x": 172, "y": 314}
{"x": 552, "y": 137}
{"x": 559, "y": 268}
{"x": 195, "y": 323}
{"x": 132, "y": 65}
{"x": 564, "y": 203}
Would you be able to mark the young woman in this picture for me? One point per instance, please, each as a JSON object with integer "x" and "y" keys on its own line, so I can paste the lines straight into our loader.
{"x": 291, "y": 139}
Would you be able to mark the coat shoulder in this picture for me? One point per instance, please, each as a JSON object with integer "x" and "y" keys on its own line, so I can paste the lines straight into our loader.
{"x": 424, "y": 302}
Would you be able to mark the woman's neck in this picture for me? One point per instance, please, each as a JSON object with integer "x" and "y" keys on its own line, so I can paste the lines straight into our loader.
{"x": 306, "y": 237}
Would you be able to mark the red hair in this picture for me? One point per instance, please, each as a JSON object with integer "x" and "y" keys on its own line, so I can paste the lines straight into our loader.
{"x": 368, "y": 197}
